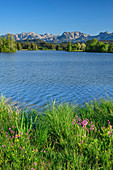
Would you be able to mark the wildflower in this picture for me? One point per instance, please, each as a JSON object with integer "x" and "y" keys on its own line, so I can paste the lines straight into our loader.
{"x": 109, "y": 133}
{"x": 1, "y": 131}
{"x": 6, "y": 133}
{"x": 26, "y": 133}
{"x": 81, "y": 142}
{"x": 21, "y": 148}
{"x": 35, "y": 163}
{"x": 29, "y": 130}
{"x": 32, "y": 168}
{"x": 12, "y": 126}
{"x": 9, "y": 128}
{"x": 73, "y": 123}
{"x": 85, "y": 122}
{"x": 74, "y": 120}
{"x": 9, "y": 137}
{"x": 56, "y": 142}
{"x": 97, "y": 157}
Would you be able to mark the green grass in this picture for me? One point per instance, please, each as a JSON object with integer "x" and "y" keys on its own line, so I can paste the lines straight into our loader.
{"x": 64, "y": 137}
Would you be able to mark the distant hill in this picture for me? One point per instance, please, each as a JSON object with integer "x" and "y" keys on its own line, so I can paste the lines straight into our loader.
{"x": 65, "y": 37}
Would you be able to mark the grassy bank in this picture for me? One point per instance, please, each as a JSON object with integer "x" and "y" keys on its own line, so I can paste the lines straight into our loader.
{"x": 65, "y": 137}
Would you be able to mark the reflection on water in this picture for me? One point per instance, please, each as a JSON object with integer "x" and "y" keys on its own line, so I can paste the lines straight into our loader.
{"x": 37, "y": 77}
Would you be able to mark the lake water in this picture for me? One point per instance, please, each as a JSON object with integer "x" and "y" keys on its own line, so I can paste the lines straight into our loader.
{"x": 38, "y": 77}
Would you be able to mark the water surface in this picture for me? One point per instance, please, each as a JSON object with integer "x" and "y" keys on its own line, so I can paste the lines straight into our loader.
{"x": 37, "y": 77}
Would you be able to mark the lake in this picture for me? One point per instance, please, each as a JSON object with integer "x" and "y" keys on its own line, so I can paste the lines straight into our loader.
{"x": 38, "y": 77}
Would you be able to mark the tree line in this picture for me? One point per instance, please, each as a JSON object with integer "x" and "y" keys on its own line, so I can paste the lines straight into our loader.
{"x": 8, "y": 44}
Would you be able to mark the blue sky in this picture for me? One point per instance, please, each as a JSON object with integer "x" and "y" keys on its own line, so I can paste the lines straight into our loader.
{"x": 56, "y": 16}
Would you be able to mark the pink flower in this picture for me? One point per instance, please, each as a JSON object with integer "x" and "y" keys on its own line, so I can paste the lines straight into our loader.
{"x": 35, "y": 164}
{"x": 56, "y": 142}
{"x": 32, "y": 168}
{"x": 109, "y": 133}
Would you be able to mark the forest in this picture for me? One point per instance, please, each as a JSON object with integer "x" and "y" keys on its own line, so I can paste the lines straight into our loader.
{"x": 9, "y": 45}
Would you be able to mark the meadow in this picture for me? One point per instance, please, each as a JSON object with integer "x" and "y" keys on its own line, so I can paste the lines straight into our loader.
{"x": 63, "y": 137}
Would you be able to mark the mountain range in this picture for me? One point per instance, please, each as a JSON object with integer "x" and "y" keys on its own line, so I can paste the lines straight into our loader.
{"x": 65, "y": 37}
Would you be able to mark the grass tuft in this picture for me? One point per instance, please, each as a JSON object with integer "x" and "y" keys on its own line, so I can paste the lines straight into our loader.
{"x": 64, "y": 137}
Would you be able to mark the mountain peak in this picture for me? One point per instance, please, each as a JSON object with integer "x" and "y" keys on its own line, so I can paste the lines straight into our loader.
{"x": 74, "y": 36}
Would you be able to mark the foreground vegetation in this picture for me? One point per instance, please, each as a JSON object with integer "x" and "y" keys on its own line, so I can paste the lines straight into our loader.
{"x": 64, "y": 137}
{"x": 8, "y": 44}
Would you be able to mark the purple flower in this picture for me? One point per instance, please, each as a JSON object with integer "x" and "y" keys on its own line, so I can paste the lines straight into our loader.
{"x": 32, "y": 168}
{"x": 35, "y": 163}
{"x": 56, "y": 142}
{"x": 109, "y": 133}
{"x": 85, "y": 122}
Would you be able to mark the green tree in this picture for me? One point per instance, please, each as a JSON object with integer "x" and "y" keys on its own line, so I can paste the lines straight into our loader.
{"x": 69, "y": 47}
{"x": 74, "y": 47}
{"x": 105, "y": 47}
{"x": 91, "y": 45}
{"x": 83, "y": 46}
{"x": 79, "y": 46}
{"x": 111, "y": 48}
